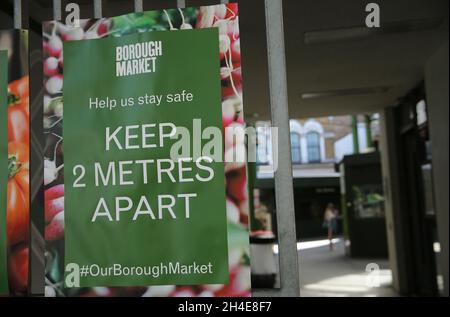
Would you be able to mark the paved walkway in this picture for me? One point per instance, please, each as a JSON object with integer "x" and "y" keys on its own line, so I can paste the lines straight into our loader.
{"x": 331, "y": 273}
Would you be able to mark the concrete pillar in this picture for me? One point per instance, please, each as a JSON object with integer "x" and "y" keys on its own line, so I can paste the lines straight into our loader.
{"x": 18, "y": 14}
{"x": 98, "y": 9}
{"x": 181, "y": 4}
{"x": 390, "y": 167}
{"x": 284, "y": 194}
{"x": 138, "y": 6}
{"x": 436, "y": 83}
{"x": 57, "y": 10}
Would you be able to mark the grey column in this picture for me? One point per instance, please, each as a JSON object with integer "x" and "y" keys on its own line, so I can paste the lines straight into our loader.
{"x": 18, "y": 14}
{"x": 395, "y": 226}
{"x": 287, "y": 239}
{"x": 138, "y": 6}
{"x": 436, "y": 82}
{"x": 57, "y": 10}
{"x": 98, "y": 13}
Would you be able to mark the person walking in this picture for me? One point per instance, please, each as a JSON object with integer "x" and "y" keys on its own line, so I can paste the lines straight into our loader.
{"x": 330, "y": 222}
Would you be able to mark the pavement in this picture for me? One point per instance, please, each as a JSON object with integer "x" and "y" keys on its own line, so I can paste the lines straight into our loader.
{"x": 325, "y": 273}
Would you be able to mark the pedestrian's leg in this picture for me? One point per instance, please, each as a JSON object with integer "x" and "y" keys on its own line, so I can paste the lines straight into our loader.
{"x": 330, "y": 237}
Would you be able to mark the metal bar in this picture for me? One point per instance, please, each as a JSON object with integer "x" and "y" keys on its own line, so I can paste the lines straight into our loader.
{"x": 369, "y": 140}
{"x": 181, "y": 4}
{"x": 18, "y": 14}
{"x": 138, "y": 6}
{"x": 284, "y": 195}
{"x": 98, "y": 9}
{"x": 57, "y": 10}
{"x": 355, "y": 135}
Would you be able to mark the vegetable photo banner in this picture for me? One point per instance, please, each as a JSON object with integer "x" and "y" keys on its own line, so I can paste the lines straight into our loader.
{"x": 4, "y": 288}
{"x": 14, "y": 149}
{"x": 138, "y": 199}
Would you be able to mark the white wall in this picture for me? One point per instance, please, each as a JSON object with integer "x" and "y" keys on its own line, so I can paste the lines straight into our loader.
{"x": 344, "y": 146}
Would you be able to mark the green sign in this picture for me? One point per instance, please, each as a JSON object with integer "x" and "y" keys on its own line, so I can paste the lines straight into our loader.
{"x": 3, "y": 169}
{"x": 135, "y": 214}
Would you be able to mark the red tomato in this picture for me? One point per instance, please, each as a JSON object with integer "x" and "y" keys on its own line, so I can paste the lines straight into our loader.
{"x": 21, "y": 151}
{"x": 18, "y": 111}
{"x": 18, "y": 262}
{"x": 17, "y": 219}
{"x": 20, "y": 87}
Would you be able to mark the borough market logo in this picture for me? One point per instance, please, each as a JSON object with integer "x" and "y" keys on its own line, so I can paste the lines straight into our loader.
{"x": 139, "y": 58}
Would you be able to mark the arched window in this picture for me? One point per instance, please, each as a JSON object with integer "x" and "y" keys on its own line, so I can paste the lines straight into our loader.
{"x": 295, "y": 148}
{"x": 313, "y": 145}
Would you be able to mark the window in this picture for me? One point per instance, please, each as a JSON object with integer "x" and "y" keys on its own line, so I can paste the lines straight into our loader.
{"x": 261, "y": 155}
{"x": 295, "y": 148}
{"x": 313, "y": 145}
{"x": 262, "y": 149}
